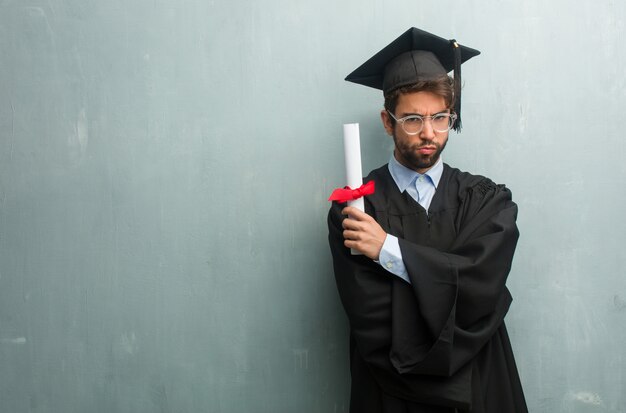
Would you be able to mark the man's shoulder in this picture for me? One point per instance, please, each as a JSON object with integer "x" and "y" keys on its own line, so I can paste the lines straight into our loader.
{"x": 474, "y": 187}
{"x": 382, "y": 178}
{"x": 466, "y": 180}
{"x": 378, "y": 173}
{"x": 463, "y": 177}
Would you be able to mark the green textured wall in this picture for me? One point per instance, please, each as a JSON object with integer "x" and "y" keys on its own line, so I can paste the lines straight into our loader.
{"x": 163, "y": 174}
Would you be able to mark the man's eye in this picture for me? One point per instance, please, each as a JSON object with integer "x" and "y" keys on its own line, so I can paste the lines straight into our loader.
{"x": 440, "y": 118}
{"x": 413, "y": 120}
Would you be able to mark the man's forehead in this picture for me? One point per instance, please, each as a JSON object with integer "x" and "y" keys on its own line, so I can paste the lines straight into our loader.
{"x": 422, "y": 103}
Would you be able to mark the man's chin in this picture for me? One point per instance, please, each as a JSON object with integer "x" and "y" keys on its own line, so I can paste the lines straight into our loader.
{"x": 423, "y": 162}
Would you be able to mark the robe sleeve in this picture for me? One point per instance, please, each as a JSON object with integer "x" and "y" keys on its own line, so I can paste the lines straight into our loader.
{"x": 457, "y": 298}
{"x": 460, "y": 293}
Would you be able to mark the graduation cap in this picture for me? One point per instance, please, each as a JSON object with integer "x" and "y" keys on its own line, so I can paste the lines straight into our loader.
{"x": 414, "y": 56}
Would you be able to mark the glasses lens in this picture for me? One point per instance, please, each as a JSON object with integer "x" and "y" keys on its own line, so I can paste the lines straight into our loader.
{"x": 412, "y": 124}
{"x": 442, "y": 122}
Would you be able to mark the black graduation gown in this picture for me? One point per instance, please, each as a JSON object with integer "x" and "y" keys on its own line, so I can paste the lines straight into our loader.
{"x": 439, "y": 343}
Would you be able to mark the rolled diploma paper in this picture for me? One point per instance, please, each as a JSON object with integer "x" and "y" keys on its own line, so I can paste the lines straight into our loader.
{"x": 352, "y": 152}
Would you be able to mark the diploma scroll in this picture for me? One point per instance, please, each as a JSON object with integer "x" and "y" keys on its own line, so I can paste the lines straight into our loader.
{"x": 352, "y": 150}
{"x": 354, "y": 175}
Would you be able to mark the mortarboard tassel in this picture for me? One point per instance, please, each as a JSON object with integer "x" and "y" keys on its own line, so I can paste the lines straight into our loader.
{"x": 457, "y": 84}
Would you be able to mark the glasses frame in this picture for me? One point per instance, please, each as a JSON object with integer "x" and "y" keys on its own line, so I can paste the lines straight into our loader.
{"x": 450, "y": 115}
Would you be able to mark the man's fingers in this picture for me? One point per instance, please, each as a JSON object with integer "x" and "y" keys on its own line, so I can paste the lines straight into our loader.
{"x": 351, "y": 235}
{"x": 349, "y": 223}
{"x": 355, "y": 213}
{"x": 349, "y": 243}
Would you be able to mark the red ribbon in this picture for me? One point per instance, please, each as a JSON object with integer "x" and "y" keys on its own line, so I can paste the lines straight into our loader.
{"x": 342, "y": 195}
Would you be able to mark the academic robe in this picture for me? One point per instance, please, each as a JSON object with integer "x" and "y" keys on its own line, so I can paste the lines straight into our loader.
{"x": 438, "y": 344}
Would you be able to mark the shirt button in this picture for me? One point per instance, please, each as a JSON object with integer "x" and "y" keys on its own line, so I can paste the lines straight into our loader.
{"x": 389, "y": 264}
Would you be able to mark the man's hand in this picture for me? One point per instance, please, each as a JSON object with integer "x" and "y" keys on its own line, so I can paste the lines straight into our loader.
{"x": 362, "y": 233}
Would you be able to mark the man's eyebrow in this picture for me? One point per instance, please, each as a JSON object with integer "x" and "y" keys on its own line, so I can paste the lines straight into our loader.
{"x": 405, "y": 114}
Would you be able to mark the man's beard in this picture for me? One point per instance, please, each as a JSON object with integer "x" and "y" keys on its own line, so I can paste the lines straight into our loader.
{"x": 415, "y": 160}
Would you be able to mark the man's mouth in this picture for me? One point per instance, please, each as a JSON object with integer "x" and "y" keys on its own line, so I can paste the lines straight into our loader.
{"x": 427, "y": 150}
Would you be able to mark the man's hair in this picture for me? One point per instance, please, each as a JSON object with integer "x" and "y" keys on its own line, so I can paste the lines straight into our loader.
{"x": 442, "y": 86}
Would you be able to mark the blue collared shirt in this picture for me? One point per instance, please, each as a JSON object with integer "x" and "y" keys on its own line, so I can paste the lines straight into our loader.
{"x": 421, "y": 187}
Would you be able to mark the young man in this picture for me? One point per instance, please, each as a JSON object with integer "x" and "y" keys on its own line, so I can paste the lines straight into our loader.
{"x": 426, "y": 298}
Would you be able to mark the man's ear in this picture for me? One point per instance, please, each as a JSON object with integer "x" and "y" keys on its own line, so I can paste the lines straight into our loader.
{"x": 384, "y": 116}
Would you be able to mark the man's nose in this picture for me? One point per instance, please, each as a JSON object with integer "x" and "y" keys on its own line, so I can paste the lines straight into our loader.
{"x": 427, "y": 132}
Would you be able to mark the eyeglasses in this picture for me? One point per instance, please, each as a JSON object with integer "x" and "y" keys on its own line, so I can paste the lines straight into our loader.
{"x": 413, "y": 124}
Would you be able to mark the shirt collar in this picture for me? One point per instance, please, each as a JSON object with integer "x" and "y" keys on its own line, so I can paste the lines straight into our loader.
{"x": 404, "y": 176}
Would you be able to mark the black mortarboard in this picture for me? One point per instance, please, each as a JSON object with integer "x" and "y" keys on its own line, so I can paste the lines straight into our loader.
{"x": 415, "y": 55}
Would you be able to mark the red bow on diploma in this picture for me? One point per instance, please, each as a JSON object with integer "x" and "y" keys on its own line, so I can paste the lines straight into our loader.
{"x": 342, "y": 195}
